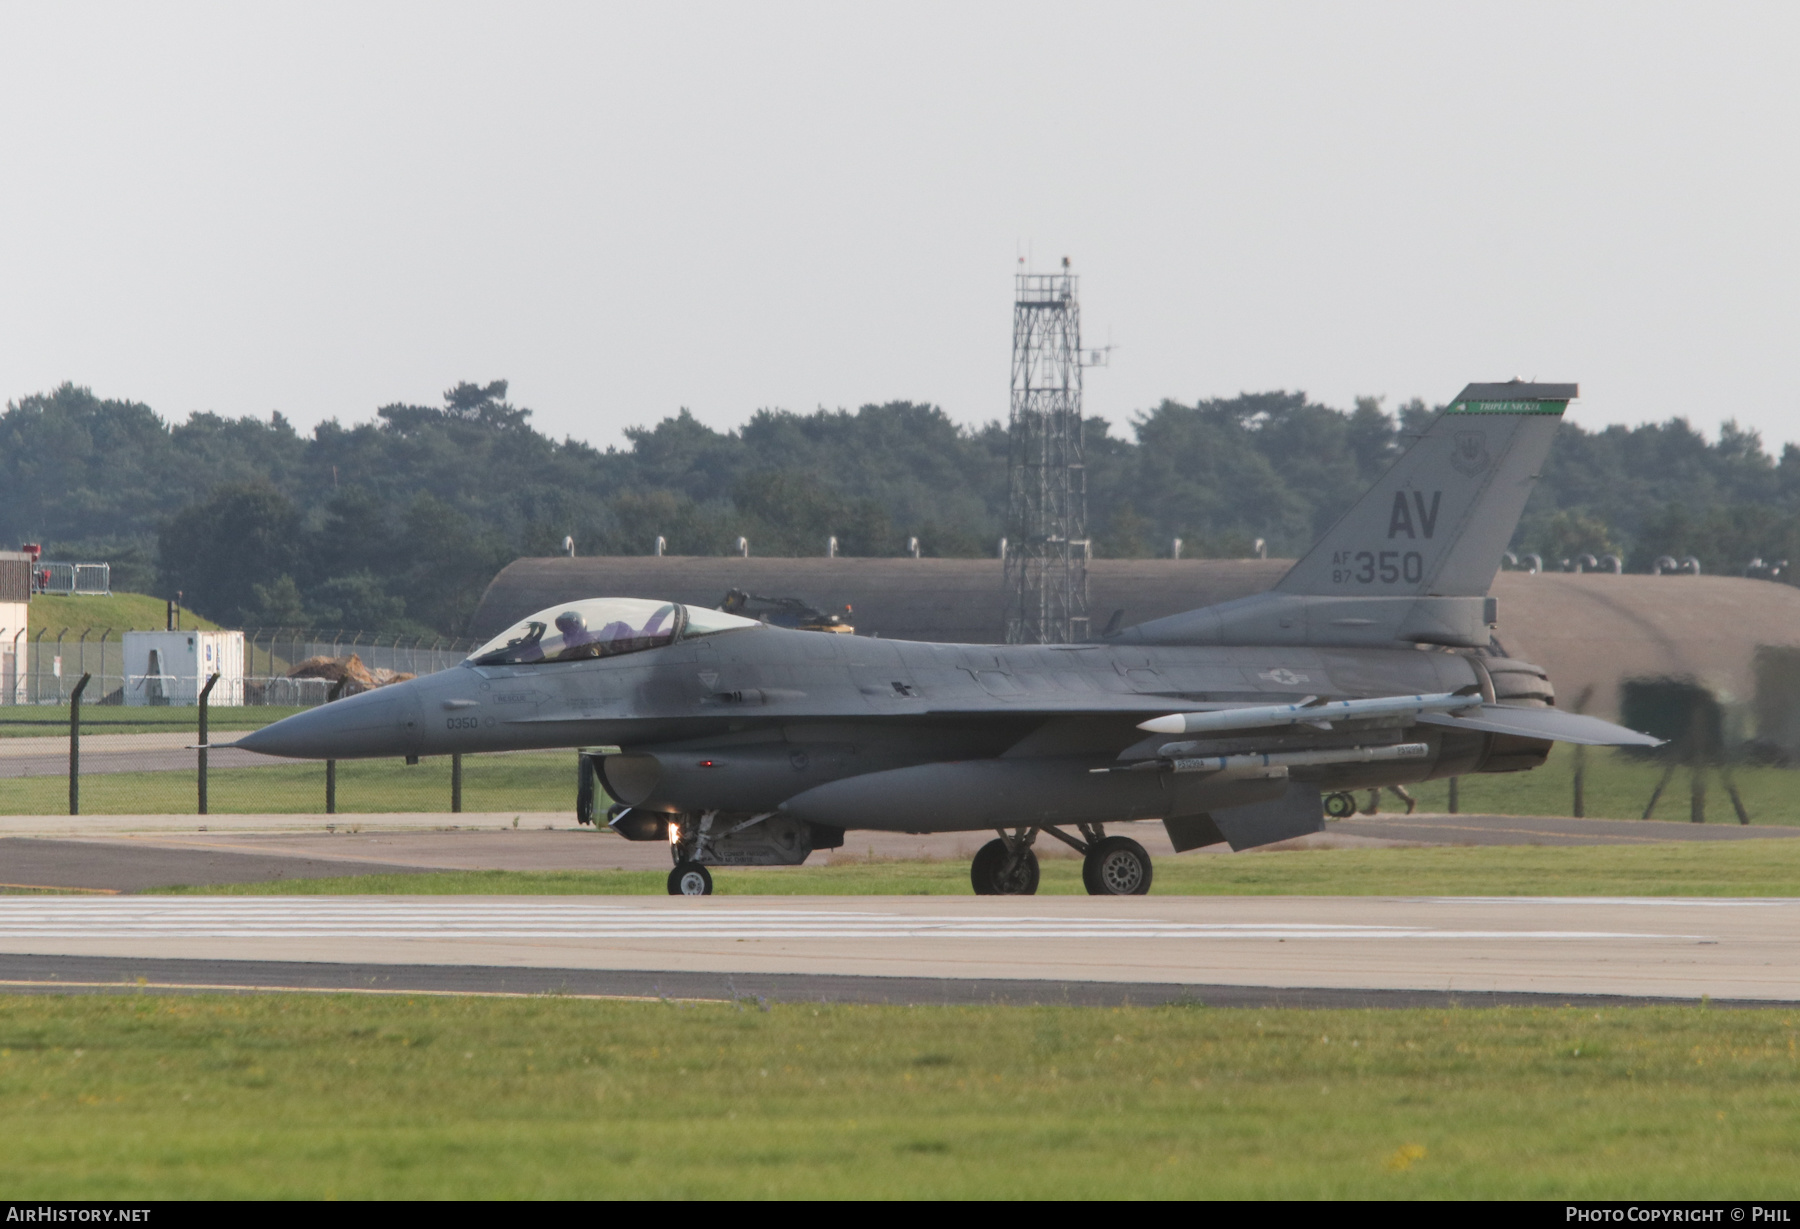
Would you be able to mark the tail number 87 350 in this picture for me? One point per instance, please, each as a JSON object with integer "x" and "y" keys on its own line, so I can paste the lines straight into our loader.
{"x": 1366, "y": 567}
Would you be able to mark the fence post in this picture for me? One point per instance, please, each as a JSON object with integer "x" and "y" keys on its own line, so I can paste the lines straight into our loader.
{"x": 75, "y": 746}
{"x": 331, "y": 765}
{"x": 204, "y": 693}
{"x": 456, "y": 784}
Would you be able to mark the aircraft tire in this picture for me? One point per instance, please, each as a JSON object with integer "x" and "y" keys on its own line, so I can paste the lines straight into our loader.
{"x": 690, "y": 879}
{"x": 1116, "y": 866}
{"x": 990, "y": 861}
{"x": 1341, "y": 805}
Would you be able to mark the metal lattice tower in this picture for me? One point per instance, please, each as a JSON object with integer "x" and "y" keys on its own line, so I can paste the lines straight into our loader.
{"x": 1046, "y": 524}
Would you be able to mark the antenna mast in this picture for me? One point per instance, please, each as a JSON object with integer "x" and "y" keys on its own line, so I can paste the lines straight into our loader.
{"x": 1046, "y": 523}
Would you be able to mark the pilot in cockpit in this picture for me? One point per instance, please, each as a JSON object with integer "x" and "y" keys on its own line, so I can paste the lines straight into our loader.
{"x": 577, "y": 640}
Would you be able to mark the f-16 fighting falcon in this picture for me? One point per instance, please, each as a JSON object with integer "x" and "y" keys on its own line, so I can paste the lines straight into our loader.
{"x": 1371, "y": 663}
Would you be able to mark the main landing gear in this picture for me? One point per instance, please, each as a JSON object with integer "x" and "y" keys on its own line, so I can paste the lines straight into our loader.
{"x": 1111, "y": 865}
{"x": 1006, "y": 867}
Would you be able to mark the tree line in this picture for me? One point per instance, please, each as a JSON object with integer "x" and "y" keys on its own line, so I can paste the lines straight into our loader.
{"x": 398, "y": 523}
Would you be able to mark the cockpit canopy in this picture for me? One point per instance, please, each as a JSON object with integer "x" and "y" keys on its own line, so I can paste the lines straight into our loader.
{"x": 601, "y": 627}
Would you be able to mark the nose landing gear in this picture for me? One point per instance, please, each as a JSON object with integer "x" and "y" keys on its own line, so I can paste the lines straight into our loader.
{"x": 690, "y": 879}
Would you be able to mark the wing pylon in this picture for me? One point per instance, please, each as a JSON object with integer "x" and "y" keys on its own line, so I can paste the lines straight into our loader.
{"x": 1276, "y": 763}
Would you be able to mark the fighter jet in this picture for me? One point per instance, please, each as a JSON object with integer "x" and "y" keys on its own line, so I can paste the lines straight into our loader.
{"x": 1371, "y": 663}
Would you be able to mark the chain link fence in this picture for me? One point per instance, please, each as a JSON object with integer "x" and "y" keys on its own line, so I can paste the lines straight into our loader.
{"x": 147, "y": 759}
{"x": 90, "y": 579}
{"x": 136, "y": 770}
{"x": 47, "y": 667}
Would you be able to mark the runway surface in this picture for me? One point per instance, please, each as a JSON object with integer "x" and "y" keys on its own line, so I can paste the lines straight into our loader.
{"x": 1546, "y": 830}
{"x": 1657, "y": 948}
{"x": 109, "y": 866}
{"x": 127, "y": 975}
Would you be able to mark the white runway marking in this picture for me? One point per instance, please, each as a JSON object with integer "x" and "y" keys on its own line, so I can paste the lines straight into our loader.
{"x": 343, "y": 917}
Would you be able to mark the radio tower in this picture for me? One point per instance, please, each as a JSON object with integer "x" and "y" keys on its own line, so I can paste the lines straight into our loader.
{"x": 1046, "y": 548}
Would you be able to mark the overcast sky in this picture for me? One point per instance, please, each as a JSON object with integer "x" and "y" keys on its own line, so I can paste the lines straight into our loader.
{"x": 627, "y": 209}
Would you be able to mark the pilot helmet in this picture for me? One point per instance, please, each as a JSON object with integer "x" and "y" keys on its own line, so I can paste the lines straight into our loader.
{"x": 570, "y": 621}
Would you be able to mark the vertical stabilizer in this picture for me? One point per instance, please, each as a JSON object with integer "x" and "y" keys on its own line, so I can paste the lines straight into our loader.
{"x": 1438, "y": 522}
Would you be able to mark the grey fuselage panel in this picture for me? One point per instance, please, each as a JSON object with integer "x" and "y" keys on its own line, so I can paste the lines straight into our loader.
{"x": 765, "y": 677}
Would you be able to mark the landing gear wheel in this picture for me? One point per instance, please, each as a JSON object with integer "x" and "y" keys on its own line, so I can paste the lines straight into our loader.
{"x": 690, "y": 879}
{"x": 1340, "y": 805}
{"x": 993, "y": 877}
{"x": 1116, "y": 866}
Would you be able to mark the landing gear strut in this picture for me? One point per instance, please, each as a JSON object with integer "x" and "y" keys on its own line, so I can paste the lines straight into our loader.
{"x": 1110, "y": 866}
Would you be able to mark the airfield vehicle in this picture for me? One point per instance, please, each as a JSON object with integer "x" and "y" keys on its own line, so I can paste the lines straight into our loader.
{"x": 1371, "y": 663}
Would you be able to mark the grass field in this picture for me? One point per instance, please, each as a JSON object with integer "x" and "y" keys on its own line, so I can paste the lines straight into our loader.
{"x": 1726, "y": 868}
{"x": 315, "y": 1097}
{"x": 1618, "y": 785}
{"x": 52, "y": 720}
{"x": 537, "y": 781}
{"x": 122, "y": 612}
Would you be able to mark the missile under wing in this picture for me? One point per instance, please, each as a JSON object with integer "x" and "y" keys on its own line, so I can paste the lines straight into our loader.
{"x": 1371, "y": 663}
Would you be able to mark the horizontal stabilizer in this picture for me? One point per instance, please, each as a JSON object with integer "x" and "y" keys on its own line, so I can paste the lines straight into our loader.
{"x": 1547, "y": 723}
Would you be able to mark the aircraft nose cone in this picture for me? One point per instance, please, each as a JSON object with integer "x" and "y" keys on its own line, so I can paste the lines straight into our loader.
{"x": 376, "y": 723}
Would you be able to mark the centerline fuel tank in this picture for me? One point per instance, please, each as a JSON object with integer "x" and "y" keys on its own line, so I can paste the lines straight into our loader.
{"x": 973, "y": 794}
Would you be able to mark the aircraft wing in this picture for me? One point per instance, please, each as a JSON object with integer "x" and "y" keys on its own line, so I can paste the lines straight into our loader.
{"x": 1554, "y": 724}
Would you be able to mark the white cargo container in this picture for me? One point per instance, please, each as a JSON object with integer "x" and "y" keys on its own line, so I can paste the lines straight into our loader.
{"x": 15, "y": 593}
{"x": 172, "y": 667}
